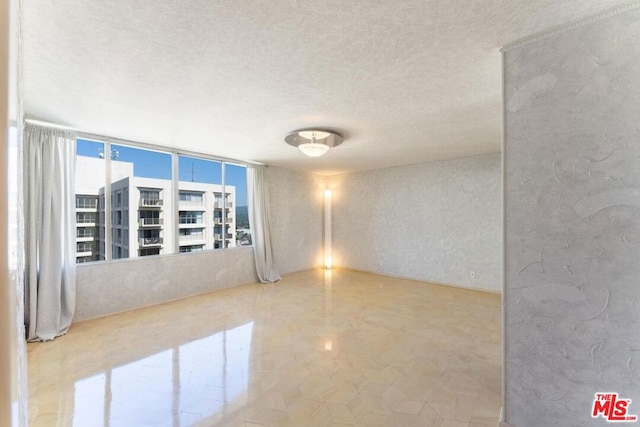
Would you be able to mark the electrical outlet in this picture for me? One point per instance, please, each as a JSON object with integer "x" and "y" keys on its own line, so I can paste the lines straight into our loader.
{"x": 472, "y": 274}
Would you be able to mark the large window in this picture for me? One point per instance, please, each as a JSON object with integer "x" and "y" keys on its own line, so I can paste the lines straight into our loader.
{"x": 145, "y": 177}
{"x": 236, "y": 189}
{"x": 126, "y": 203}
{"x": 89, "y": 184}
{"x": 199, "y": 180}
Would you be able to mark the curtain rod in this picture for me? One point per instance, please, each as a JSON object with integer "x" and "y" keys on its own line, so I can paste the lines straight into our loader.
{"x": 51, "y": 125}
{"x": 138, "y": 144}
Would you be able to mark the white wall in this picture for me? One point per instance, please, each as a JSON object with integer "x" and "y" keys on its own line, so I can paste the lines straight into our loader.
{"x": 572, "y": 187}
{"x": 105, "y": 288}
{"x": 297, "y": 218}
{"x": 437, "y": 222}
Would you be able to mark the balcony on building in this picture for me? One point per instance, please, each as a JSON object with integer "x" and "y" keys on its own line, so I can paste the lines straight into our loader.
{"x": 150, "y": 222}
{"x": 199, "y": 224}
{"x": 84, "y": 249}
{"x": 148, "y": 242}
{"x": 88, "y": 206}
{"x": 150, "y": 202}
{"x": 87, "y": 234}
{"x": 190, "y": 239}
{"x": 83, "y": 220}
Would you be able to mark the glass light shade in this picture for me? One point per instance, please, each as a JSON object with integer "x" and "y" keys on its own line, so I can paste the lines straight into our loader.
{"x": 313, "y": 142}
{"x": 313, "y": 149}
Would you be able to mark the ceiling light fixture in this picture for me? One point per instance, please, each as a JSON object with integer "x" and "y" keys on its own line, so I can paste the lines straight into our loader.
{"x": 313, "y": 142}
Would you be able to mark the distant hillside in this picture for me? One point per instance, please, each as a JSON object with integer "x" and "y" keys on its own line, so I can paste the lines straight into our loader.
{"x": 242, "y": 217}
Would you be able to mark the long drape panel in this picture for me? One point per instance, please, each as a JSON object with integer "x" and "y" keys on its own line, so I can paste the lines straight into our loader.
{"x": 50, "y": 288}
{"x": 258, "y": 207}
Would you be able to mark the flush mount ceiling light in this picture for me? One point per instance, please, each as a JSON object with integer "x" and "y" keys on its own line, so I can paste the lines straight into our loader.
{"x": 313, "y": 142}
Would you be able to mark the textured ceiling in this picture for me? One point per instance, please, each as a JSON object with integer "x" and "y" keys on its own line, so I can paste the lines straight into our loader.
{"x": 404, "y": 81}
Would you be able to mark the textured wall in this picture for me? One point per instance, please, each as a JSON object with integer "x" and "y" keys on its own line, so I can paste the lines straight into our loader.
{"x": 435, "y": 221}
{"x": 296, "y": 218}
{"x": 110, "y": 287}
{"x": 296, "y": 212}
{"x": 572, "y": 171}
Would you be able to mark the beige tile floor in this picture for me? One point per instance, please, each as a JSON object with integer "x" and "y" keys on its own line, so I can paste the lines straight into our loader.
{"x": 318, "y": 348}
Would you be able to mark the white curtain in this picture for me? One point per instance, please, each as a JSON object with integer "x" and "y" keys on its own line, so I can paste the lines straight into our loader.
{"x": 50, "y": 227}
{"x": 258, "y": 206}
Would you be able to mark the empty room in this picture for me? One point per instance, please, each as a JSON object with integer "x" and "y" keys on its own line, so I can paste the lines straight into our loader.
{"x": 320, "y": 213}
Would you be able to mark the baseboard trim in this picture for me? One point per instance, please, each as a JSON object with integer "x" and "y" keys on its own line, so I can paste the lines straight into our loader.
{"x": 501, "y": 422}
{"x": 450, "y": 285}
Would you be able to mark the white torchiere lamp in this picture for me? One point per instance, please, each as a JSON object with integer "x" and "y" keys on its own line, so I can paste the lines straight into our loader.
{"x": 313, "y": 142}
{"x": 328, "y": 262}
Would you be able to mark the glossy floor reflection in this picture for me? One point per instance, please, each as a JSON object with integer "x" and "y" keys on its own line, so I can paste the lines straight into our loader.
{"x": 318, "y": 348}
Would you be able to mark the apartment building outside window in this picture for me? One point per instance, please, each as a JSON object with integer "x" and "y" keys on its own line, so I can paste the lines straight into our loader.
{"x": 86, "y": 227}
{"x": 135, "y": 213}
{"x": 150, "y": 220}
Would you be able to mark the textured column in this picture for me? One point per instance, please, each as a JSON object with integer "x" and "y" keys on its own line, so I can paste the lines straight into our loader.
{"x": 572, "y": 221}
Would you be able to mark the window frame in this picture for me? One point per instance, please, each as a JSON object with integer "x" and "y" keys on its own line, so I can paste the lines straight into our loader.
{"x": 175, "y": 155}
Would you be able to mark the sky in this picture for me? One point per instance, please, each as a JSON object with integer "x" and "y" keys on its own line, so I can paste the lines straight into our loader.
{"x": 154, "y": 164}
